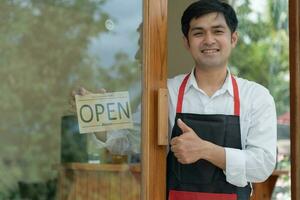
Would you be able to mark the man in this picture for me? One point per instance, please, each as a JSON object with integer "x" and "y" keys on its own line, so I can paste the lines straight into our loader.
{"x": 224, "y": 134}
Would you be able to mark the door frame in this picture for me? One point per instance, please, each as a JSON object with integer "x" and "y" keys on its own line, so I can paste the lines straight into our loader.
{"x": 154, "y": 78}
{"x": 294, "y": 38}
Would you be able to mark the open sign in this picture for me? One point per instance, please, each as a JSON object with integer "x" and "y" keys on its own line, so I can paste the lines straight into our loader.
{"x": 101, "y": 112}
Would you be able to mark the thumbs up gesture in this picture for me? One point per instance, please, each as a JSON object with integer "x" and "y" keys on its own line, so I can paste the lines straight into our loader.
{"x": 184, "y": 128}
{"x": 188, "y": 147}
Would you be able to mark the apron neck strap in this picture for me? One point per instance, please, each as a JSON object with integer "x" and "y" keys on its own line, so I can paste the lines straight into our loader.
{"x": 181, "y": 93}
{"x": 235, "y": 94}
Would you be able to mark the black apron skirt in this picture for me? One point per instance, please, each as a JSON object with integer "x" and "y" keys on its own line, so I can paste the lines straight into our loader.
{"x": 202, "y": 180}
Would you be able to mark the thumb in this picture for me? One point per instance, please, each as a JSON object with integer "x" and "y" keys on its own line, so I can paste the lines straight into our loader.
{"x": 183, "y": 126}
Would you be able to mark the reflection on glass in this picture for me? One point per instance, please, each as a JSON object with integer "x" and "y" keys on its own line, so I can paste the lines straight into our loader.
{"x": 48, "y": 49}
{"x": 263, "y": 37}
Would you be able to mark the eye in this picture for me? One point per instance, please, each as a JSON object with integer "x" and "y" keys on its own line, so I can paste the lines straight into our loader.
{"x": 219, "y": 32}
{"x": 198, "y": 33}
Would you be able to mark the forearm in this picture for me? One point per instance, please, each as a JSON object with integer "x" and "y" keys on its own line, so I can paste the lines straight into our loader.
{"x": 216, "y": 155}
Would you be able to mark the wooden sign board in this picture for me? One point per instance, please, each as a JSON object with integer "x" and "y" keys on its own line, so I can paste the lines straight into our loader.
{"x": 103, "y": 112}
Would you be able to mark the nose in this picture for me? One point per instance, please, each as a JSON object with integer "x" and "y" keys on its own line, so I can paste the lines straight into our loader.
{"x": 209, "y": 39}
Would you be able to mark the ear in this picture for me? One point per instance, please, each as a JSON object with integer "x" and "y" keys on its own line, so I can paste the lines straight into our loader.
{"x": 186, "y": 43}
{"x": 234, "y": 38}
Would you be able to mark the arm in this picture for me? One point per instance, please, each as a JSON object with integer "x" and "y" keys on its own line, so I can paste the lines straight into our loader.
{"x": 189, "y": 148}
{"x": 256, "y": 162}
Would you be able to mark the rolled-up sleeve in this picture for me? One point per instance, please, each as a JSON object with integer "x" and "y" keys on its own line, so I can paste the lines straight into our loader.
{"x": 257, "y": 160}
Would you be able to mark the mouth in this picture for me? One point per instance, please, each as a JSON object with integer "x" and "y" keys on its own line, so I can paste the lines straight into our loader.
{"x": 210, "y": 51}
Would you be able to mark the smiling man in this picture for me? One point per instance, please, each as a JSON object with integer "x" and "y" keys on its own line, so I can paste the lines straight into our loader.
{"x": 223, "y": 128}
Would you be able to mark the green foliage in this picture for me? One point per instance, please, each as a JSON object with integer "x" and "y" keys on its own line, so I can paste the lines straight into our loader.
{"x": 262, "y": 53}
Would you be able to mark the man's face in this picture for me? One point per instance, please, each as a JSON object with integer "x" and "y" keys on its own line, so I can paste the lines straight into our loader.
{"x": 210, "y": 41}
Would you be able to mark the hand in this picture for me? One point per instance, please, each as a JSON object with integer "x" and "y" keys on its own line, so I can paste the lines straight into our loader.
{"x": 82, "y": 92}
{"x": 118, "y": 142}
{"x": 188, "y": 147}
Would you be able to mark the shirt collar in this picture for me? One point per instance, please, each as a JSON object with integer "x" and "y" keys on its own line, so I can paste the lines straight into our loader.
{"x": 226, "y": 87}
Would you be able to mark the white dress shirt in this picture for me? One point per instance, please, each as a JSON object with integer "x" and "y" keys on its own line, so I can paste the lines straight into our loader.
{"x": 257, "y": 159}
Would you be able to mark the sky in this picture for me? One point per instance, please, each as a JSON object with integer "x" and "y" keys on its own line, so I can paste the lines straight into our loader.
{"x": 259, "y": 6}
{"x": 122, "y": 35}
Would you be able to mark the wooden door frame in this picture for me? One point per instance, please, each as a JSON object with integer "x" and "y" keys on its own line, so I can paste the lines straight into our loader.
{"x": 294, "y": 38}
{"x": 154, "y": 77}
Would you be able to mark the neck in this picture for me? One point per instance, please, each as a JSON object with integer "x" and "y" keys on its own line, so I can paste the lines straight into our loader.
{"x": 210, "y": 80}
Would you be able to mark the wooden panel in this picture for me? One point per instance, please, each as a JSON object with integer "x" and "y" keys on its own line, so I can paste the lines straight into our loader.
{"x": 93, "y": 186}
{"x": 66, "y": 184}
{"x": 101, "y": 167}
{"x": 81, "y": 185}
{"x": 155, "y": 76}
{"x": 130, "y": 186}
{"x": 115, "y": 186}
{"x": 162, "y": 117}
{"x": 294, "y": 31}
{"x": 104, "y": 183}
{"x": 70, "y": 192}
{"x": 126, "y": 187}
{"x": 81, "y": 181}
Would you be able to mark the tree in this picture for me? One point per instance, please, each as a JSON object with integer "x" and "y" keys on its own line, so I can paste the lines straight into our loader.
{"x": 263, "y": 47}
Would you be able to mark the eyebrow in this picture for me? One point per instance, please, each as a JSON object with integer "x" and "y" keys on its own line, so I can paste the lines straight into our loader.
{"x": 201, "y": 28}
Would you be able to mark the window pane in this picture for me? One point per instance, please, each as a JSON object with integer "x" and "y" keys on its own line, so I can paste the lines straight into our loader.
{"x": 48, "y": 49}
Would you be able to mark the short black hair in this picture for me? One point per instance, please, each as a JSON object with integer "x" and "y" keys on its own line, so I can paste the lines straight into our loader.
{"x": 203, "y": 7}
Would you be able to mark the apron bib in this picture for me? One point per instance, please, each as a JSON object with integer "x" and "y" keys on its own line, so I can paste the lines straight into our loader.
{"x": 202, "y": 180}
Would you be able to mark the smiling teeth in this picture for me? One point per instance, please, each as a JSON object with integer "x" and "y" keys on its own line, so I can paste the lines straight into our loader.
{"x": 209, "y": 51}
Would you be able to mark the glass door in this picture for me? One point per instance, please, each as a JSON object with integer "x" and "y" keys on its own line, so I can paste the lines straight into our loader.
{"x": 51, "y": 50}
